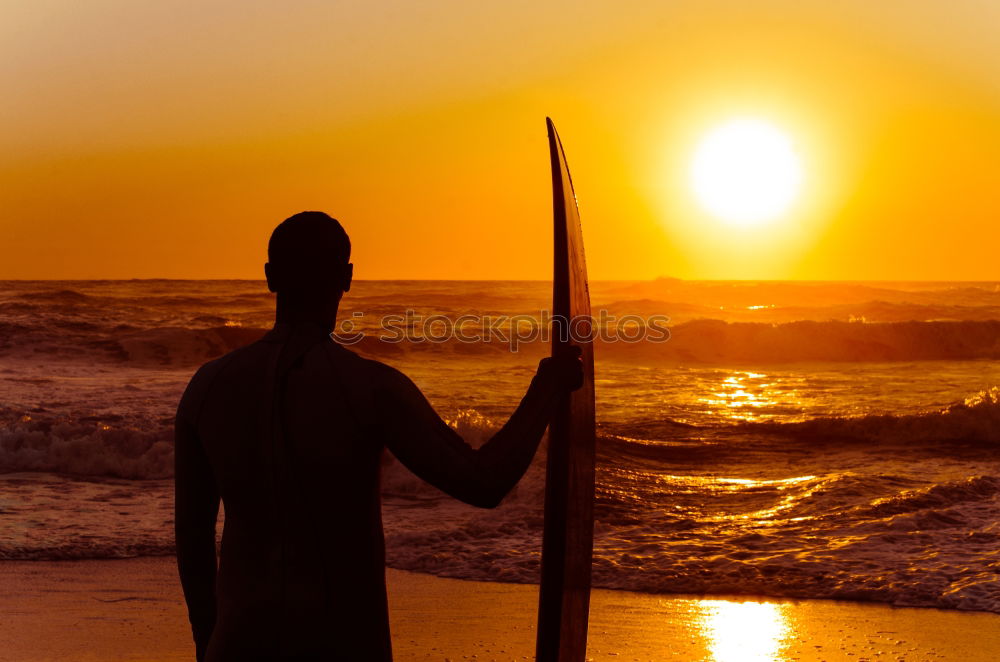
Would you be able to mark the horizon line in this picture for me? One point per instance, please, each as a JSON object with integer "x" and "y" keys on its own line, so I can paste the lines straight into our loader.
{"x": 525, "y": 280}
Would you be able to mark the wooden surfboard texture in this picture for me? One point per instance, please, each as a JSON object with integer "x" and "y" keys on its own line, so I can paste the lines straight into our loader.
{"x": 568, "y": 538}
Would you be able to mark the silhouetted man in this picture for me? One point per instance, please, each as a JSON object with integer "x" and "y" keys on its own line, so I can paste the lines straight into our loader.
{"x": 289, "y": 432}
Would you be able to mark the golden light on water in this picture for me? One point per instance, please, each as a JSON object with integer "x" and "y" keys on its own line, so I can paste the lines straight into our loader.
{"x": 741, "y": 396}
{"x": 743, "y": 631}
{"x": 791, "y": 491}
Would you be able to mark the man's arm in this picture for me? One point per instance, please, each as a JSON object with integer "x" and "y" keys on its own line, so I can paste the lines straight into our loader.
{"x": 431, "y": 449}
{"x": 196, "y": 508}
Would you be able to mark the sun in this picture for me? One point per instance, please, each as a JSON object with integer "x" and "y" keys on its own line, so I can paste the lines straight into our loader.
{"x": 746, "y": 172}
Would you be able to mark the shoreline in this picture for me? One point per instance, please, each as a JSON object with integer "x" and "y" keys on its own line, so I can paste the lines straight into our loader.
{"x": 132, "y": 609}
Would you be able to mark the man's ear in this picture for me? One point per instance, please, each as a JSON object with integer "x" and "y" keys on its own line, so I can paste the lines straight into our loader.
{"x": 348, "y": 277}
{"x": 272, "y": 285}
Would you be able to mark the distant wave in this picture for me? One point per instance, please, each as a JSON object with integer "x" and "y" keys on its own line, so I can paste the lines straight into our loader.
{"x": 719, "y": 342}
{"x": 47, "y": 297}
{"x": 181, "y": 346}
{"x": 713, "y": 341}
{"x": 697, "y": 342}
{"x": 158, "y": 346}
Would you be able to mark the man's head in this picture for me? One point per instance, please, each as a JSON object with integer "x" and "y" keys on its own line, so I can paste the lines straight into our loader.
{"x": 309, "y": 260}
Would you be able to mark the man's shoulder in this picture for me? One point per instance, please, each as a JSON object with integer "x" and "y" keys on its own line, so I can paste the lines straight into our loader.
{"x": 252, "y": 353}
{"x": 203, "y": 379}
{"x": 372, "y": 371}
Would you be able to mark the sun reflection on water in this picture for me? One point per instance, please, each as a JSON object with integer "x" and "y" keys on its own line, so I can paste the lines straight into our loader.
{"x": 744, "y": 631}
{"x": 742, "y": 395}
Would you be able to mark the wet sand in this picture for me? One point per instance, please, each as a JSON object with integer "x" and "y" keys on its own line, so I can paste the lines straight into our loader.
{"x": 132, "y": 609}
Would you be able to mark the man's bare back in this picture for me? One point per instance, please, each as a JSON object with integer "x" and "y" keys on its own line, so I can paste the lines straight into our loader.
{"x": 289, "y": 433}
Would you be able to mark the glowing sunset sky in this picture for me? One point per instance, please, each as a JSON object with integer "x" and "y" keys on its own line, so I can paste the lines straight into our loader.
{"x": 167, "y": 139}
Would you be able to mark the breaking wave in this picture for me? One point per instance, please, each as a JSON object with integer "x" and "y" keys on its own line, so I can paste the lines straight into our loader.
{"x": 976, "y": 419}
{"x": 138, "y": 448}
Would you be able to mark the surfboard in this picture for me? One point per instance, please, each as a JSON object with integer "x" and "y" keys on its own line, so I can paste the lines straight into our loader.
{"x": 568, "y": 536}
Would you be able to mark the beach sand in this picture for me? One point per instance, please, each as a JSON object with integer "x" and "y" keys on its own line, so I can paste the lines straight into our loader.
{"x": 132, "y": 609}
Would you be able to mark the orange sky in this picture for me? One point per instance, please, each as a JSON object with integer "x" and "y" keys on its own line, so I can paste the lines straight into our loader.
{"x": 167, "y": 139}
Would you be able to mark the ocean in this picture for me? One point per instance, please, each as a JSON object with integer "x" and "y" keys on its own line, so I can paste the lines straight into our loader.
{"x": 787, "y": 439}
